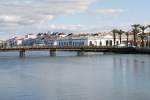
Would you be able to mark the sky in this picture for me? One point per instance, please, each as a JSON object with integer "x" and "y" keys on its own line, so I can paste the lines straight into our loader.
{"x": 19, "y": 17}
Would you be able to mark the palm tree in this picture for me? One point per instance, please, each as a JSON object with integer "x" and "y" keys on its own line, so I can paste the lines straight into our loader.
{"x": 127, "y": 34}
{"x": 114, "y": 31}
{"x": 135, "y": 30}
{"x": 148, "y": 41}
{"x": 120, "y": 32}
{"x": 148, "y": 26}
{"x": 143, "y": 34}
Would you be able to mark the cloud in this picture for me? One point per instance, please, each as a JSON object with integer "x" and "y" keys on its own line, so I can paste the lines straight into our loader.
{"x": 9, "y": 19}
{"x": 20, "y": 16}
{"x": 110, "y": 11}
{"x": 37, "y": 10}
{"x": 6, "y": 18}
{"x": 66, "y": 27}
{"x": 78, "y": 28}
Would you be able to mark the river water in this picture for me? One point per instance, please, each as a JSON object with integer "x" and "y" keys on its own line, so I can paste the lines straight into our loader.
{"x": 70, "y": 77}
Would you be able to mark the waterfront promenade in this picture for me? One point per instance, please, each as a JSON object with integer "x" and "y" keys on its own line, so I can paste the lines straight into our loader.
{"x": 79, "y": 49}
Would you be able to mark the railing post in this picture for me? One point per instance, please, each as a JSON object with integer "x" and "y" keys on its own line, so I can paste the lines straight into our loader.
{"x": 22, "y": 53}
{"x": 52, "y": 52}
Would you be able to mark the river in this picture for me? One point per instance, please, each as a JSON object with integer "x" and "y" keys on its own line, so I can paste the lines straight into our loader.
{"x": 70, "y": 77}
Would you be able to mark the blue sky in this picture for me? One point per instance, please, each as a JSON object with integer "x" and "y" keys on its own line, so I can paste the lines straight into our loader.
{"x": 19, "y": 17}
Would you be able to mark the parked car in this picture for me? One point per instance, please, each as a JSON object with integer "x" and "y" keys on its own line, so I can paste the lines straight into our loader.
{"x": 39, "y": 44}
{"x": 121, "y": 45}
{"x": 133, "y": 46}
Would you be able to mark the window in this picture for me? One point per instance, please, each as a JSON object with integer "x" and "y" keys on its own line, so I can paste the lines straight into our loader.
{"x": 110, "y": 42}
{"x": 100, "y": 43}
{"x": 90, "y": 43}
{"x": 106, "y": 42}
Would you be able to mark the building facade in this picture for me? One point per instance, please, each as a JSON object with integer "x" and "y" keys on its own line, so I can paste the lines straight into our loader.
{"x": 66, "y": 40}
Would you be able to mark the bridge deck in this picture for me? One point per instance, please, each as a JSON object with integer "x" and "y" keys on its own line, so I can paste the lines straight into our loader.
{"x": 81, "y": 48}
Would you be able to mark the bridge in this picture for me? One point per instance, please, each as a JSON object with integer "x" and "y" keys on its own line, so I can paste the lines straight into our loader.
{"x": 79, "y": 49}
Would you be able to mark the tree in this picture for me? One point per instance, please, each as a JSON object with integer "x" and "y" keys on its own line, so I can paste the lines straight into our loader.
{"x": 120, "y": 32}
{"x": 148, "y": 38}
{"x": 127, "y": 34}
{"x": 142, "y": 35}
{"x": 135, "y": 31}
{"x": 114, "y": 31}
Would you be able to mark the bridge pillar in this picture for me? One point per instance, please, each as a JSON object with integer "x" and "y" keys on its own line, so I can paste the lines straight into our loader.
{"x": 22, "y": 53}
{"x": 80, "y": 53}
{"x": 52, "y": 52}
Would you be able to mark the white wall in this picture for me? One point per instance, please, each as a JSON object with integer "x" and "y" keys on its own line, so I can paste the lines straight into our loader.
{"x": 94, "y": 42}
{"x": 19, "y": 42}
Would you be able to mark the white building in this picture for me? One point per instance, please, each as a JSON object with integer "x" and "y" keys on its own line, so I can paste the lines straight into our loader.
{"x": 79, "y": 41}
{"x": 103, "y": 40}
{"x": 19, "y": 41}
{"x": 16, "y": 41}
{"x": 30, "y": 36}
{"x": 1, "y": 43}
{"x": 107, "y": 40}
{"x": 61, "y": 35}
{"x": 29, "y": 39}
{"x": 69, "y": 40}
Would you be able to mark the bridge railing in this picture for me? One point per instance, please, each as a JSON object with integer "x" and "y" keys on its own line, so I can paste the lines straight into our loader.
{"x": 59, "y": 47}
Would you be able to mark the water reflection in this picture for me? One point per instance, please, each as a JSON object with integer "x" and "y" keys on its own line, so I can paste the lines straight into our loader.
{"x": 95, "y": 77}
{"x": 131, "y": 76}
